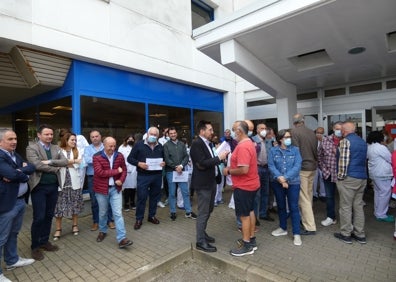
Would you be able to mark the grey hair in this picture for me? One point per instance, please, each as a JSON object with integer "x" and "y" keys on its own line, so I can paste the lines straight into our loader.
{"x": 153, "y": 128}
{"x": 243, "y": 126}
{"x": 3, "y": 131}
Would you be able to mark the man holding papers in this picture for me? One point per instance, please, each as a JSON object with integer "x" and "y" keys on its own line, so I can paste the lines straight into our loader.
{"x": 148, "y": 157}
{"x": 176, "y": 158}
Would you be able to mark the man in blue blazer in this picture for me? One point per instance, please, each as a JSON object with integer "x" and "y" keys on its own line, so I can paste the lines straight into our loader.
{"x": 14, "y": 173}
{"x": 203, "y": 180}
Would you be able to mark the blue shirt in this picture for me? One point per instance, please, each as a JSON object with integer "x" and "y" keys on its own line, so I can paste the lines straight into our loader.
{"x": 88, "y": 154}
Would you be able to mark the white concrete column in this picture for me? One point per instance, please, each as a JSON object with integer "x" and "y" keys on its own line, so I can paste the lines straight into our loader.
{"x": 286, "y": 108}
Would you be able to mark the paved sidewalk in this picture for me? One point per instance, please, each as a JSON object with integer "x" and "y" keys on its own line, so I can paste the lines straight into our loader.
{"x": 320, "y": 258}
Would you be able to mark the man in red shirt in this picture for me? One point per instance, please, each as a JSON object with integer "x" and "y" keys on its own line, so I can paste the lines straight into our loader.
{"x": 245, "y": 180}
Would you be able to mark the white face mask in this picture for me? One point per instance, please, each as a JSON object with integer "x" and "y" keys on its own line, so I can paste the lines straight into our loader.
{"x": 250, "y": 133}
{"x": 263, "y": 133}
{"x": 337, "y": 133}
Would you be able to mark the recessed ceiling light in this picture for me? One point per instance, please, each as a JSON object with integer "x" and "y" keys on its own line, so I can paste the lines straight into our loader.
{"x": 356, "y": 50}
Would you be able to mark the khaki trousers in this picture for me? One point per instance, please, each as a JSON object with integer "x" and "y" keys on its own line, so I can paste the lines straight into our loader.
{"x": 305, "y": 201}
{"x": 351, "y": 206}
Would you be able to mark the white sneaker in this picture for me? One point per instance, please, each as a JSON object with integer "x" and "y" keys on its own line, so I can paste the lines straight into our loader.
{"x": 279, "y": 232}
{"x": 160, "y": 204}
{"x": 21, "y": 262}
{"x": 4, "y": 279}
{"x": 328, "y": 221}
{"x": 297, "y": 240}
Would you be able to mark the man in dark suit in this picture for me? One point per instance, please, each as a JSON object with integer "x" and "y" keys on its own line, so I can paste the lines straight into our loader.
{"x": 13, "y": 187}
{"x": 44, "y": 183}
{"x": 205, "y": 170}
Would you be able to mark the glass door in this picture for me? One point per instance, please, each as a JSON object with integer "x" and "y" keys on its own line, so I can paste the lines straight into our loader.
{"x": 359, "y": 118}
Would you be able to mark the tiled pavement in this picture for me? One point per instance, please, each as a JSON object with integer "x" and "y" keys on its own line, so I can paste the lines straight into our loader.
{"x": 320, "y": 258}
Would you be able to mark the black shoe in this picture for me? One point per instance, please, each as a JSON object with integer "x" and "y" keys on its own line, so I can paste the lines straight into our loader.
{"x": 173, "y": 216}
{"x": 153, "y": 220}
{"x": 209, "y": 239}
{"x": 322, "y": 199}
{"x": 307, "y": 232}
{"x": 191, "y": 215}
{"x": 361, "y": 240}
{"x": 345, "y": 239}
{"x": 267, "y": 218}
{"x": 138, "y": 224}
{"x": 315, "y": 198}
{"x": 206, "y": 247}
{"x": 273, "y": 210}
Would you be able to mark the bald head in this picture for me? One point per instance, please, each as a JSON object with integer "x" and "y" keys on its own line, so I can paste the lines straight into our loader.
{"x": 250, "y": 124}
{"x": 109, "y": 144}
{"x": 348, "y": 127}
{"x": 298, "y": 120}
{"x": 241, "y": 129}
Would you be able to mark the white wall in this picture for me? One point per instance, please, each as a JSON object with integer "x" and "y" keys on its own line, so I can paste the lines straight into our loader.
{"x": 127, "y": 34}
{"x": 340, "y": 104}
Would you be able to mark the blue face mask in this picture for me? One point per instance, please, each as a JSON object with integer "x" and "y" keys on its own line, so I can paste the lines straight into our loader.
{"x": 232, "y": 134}
{"x": 152, "y": 139}
{"x": 337, "y": 133}
{"x": 250, "y": 133}
{"x": 288, "y": 142}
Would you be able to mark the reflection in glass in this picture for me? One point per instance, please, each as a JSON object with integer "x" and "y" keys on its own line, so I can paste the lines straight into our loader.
{"x": 111, "y": 117}
{"x": 165, "y": 117}
{"x": 215, "y": 118}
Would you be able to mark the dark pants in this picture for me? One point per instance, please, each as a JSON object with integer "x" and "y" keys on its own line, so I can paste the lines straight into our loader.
{"x": 291, "y": 195}
{"x": 264, "y": 190}
{"x": 205, "y": 207}
{"x": 44, "y": 198}
{"x": 148, "y": 185}
{"x": 330, "y": 198}
{"x": 129, "y": 198}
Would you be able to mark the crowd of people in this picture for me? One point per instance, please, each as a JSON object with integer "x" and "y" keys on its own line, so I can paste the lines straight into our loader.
{"x": 287, "y": 170}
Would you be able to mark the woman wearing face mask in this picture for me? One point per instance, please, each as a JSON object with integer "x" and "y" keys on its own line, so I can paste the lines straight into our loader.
{"x": 129, "y": 185}
{"x": 284, "y": 163}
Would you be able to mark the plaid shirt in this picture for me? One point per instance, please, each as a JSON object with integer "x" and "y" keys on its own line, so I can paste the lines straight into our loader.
{"x": 327, "y": 159}
{"x": 344, "y": 157}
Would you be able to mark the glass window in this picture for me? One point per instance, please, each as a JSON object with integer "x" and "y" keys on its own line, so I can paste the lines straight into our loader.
{"x": 165, "y": 116}
{"x": 55, "y": 113}
{"x": 215, "y": 118}
{"x": 111, "y": 117}
{"x": 201, "y": 13}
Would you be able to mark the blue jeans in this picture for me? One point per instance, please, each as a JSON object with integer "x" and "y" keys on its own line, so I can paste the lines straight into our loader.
{"x": 114, "y": 199}
{"x": 11, "y": 223}
{"x": 94, "y": 203}
{"x": 148, "y": 185}
{"x": 44, "y": 198}
{"x": 330, "y": 200}
{"x": 292, "y": 194}
{"x": 183, "y": 186}
{"x": 264, "y": 190}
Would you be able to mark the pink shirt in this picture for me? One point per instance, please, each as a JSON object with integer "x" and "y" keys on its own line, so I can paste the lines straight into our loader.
{"x": 245, "y": 155}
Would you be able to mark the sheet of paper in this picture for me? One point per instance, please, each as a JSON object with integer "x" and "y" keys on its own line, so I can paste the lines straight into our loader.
{"x": 223, "y": 147}
{"x": 180, "y": 177}
{"x": 154, "y": 163}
